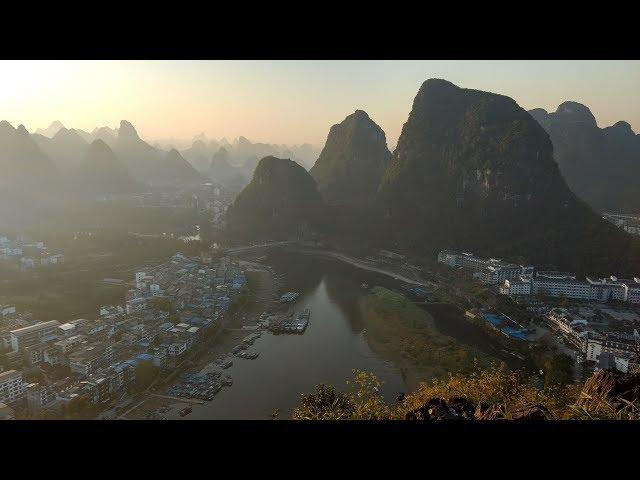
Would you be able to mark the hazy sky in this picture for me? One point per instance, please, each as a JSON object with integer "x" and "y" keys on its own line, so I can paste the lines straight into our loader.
{"x": 289, "y": 101}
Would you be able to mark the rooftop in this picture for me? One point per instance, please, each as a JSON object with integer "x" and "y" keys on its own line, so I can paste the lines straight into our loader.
{"x": 35, "y": 328}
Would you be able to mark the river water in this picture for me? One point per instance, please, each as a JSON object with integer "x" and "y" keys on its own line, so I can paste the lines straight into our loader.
{"x": 333, "y": 345}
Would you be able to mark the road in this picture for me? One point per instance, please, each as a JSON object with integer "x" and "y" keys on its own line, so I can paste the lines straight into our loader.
{"x": 362, "y": 264}
{"x": 356, "y": 262}
{"x": 248, "y": 248}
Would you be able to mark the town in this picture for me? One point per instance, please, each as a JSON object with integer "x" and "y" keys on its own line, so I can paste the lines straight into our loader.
{"x": 49, "y": 366}
{"x": 598, "y": 318}
{"x": 25, "y": 255}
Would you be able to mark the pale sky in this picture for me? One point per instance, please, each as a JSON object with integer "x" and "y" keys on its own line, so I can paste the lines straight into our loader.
{"x": 289, "y": 101}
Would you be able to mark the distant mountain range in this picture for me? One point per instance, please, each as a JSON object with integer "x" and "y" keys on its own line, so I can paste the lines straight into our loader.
{"x": 22, "y": 161}
{"x": 102, "y": 172}
{"x": 600, "y": 165}
{"x": 472, "y": 170}
{"x": 242, "y": 155}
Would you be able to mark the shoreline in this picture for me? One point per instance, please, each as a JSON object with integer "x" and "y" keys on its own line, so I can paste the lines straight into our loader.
{"x": 355, "y": 262}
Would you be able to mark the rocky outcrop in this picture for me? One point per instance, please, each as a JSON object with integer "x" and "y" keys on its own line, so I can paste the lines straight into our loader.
{"x": 281, "y": 200}
{"x": 459, "y": 408}
{"x": 352, "y": 161}
{"x": 475, "y": 170}
{"x": 601, "y": 166}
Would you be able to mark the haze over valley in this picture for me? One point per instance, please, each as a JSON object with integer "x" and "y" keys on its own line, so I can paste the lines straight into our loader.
{"x": 162, "y": 276}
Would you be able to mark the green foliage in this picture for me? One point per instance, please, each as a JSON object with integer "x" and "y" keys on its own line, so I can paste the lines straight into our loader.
{"x": 563, "y": 301}
{"x": 325, "y": 404}
{"x": 79, "y": 408}
{"x": 558, "y": 371}
{"x": 145, "y": 373}
{"x": 407, "y": 333}
{"x": 160, "y": 303}
{"x": 487, "y": 385}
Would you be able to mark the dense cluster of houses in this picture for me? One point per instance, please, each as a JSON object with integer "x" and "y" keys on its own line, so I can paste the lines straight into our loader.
{"x": 168, "y": 310}
{"x": 27, "y": 254}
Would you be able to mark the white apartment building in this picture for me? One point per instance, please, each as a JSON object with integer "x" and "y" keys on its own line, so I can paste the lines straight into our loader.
{"x": 516, "y": 286}
{"x": 40, "y": 332}
{"x": 39, "y": 397}
{"x": 617, "y": 344}
{"x": 12, "y": 388}
{"x": 492, "y": 271}
{"x": 176, "y": 349}
{"x": 569, "y": 287}
{"x": 621, "y": 289}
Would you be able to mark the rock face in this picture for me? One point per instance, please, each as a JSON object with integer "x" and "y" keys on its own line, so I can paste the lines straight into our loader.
{"x": 475, "y": 171}
{"x": 601, "y": 166}
{"x": 281, "y": 199}
{"x": 352, "y": 161}
{"x": 459, "y": 408}
{"x": 102, "y": 172}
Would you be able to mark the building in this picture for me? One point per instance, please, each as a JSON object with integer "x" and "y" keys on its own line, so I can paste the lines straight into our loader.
{"x": 66, "y": 330}
{"x": 120, "y": 375}
{"x": 88, "y": 359}
{"x": 12, "y": 388}
{"x": 516, "y": 286}
{"x": 492, "y": 271}
{"x": 573, "y": 328}
{"x": 66, "y": 345}
{"x": 40, "y": 332}
{"x": 620, "y": 345}
{"x": 620, "y": 289}
{"x": 6, "y": 412}
{"x": 39, "y": 398}
{"x": 449, "y": 257}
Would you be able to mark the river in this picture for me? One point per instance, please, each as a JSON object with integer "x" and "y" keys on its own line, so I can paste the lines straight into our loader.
{"x": 333, "y": 345}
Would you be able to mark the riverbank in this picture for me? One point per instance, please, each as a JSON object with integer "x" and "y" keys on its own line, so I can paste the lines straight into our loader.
{"x": 261, "y": 295}
{"x": 407, "y": 335}
{"x": 358, "y": 263}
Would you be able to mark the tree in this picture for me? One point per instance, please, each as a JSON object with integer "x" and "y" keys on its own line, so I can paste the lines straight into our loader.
{"x": 558, "y": 371}
{"x": 160, "y": 303}
{"x": 325, "y": 404}
{"x": 146, "y": 372}
{"x": 563, "y": 301}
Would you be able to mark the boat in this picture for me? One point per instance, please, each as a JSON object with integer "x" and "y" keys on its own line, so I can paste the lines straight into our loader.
{"x": 186, "y": 410}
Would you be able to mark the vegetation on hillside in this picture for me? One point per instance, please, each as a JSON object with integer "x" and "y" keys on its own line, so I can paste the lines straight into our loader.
{"x": 406, "y": 333}
{"x": 485, "y": 390}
